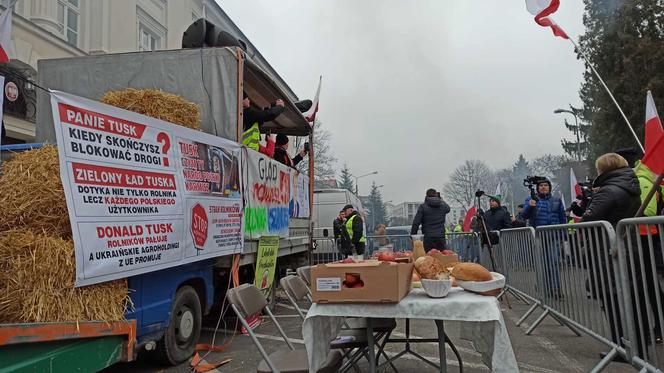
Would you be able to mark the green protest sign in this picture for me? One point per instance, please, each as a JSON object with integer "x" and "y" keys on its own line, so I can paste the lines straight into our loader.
{"x": 266, "y": 261}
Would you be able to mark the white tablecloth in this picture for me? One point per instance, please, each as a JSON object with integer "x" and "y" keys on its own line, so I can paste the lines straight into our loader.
{"x": 482, "y": 324}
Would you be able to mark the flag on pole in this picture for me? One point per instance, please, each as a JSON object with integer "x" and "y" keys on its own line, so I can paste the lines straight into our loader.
{"x": 6, "y": 49}
{"x": 310, "y": 114}
{"x": 498, "y": 190}
{"x": 653, "y": 157}
{"x": 542, "y": 9}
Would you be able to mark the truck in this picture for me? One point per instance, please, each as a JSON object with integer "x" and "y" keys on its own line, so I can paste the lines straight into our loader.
{"x": 169, "y": 304}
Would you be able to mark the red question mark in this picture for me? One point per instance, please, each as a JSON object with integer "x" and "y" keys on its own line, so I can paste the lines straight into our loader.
{"x": 163, "y": 138}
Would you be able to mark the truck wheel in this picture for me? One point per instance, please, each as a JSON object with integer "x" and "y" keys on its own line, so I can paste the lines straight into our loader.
{"x": 179, "y": 340}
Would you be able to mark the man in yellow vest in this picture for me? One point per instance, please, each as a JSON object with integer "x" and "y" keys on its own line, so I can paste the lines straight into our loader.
{"x": 355, "y": 230}
{"x": 253, "y": 119}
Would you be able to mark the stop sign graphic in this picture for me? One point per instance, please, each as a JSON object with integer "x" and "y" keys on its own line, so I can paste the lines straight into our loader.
{"x": 199, "y": 226}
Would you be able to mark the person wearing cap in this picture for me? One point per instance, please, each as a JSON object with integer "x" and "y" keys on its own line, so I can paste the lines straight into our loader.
{"x": 253, "y": 119}
{"x": 497, "y": 217}
{"x": 547, "y": 210}
{"x": 281, "y": 152}
{"x": 354, "y": 232}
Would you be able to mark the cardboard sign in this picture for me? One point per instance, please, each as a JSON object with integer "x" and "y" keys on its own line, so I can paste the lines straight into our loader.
{"x": 143, "y": 194}
{"x": 266, "y": 261}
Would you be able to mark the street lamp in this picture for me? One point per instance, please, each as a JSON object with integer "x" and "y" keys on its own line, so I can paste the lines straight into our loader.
{"x": 576, "y": 129}
{"x": 361, "y": 176}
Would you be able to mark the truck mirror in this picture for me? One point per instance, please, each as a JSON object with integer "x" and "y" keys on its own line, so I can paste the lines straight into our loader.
{"x": 325, "y": 233}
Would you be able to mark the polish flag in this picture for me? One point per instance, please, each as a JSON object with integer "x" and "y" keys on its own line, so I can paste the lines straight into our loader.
{"x": 469, "y": 218}
{"x": 542, "y": 9}
{"x": 310, "y": 114}
{"x": 6, "y": 49}
{"x": 497, "y": 193}
{"x": 654, "y": 154}
{"x": 575, "y": 190}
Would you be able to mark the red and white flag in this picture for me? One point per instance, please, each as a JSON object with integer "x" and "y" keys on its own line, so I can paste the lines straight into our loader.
{"x": 575, "y": 190}
{"x": 542, "y": 9}
{"x": 6, "y": 49}
{"x": 310, "y": 114}
{"x": 469, "y": 218}
{"x": 653, "y": 157}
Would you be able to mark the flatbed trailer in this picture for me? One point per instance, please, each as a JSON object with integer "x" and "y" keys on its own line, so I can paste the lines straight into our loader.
{"x": 58, "y": 347}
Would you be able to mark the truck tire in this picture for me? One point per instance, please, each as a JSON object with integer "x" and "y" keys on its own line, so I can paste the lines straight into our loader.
{"x": 179, "y": 341}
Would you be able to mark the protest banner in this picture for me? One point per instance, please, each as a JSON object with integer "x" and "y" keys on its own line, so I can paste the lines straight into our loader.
{"x": 268, "y": 196}
{"x": 299, "y": 204}
{"x": 143, "y": 194}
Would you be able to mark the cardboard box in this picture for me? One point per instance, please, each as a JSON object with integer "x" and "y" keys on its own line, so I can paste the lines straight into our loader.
{"x": 383, "y": 282}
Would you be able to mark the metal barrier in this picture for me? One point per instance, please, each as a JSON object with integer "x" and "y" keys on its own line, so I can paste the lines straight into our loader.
{"x": 325, "y": 251}
{"x": 465, "y": 244}
{"x": 641, "y": 263}
{"x": 394, "y": 242}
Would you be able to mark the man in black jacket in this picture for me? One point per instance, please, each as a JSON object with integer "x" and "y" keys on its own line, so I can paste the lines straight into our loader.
{"x": 338, "y": 227}
{"x": 354, "y": 231}
{"x": 281, "y": 152}
{"x": 497, "y": 217}
{"x": 431, "y": 216}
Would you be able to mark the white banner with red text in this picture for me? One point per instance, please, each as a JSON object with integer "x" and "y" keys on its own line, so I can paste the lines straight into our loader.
{"x": 144, "y": 194}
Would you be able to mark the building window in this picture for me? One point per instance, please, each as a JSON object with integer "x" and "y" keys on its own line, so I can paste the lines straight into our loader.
{"x": 147, "y": 41}
{"x": 68, "y": 14}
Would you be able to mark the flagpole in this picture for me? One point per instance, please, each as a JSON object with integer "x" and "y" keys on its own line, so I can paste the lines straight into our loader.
{"x": 609, "y": 92}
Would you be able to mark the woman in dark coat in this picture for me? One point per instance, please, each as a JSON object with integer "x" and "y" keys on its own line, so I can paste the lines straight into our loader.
{"x": 616, "y": 196}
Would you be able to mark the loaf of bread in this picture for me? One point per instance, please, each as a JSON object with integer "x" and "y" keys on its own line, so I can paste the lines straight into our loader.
{"x": 430, "y": 268}
{"x": 471, "y": 272}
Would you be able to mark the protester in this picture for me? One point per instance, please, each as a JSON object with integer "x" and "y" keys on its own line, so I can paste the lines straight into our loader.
{"x": 616, "y": 196}
{"x": 253, "y": 119}
{"x": 497, "y": 218}
{"x": 281, "y": 152}
{"x": 547, "y": 210}
{"x": 343, "y": 246}
{"x": 431, "y": 216}
{"x": 458, "y": 228}
{"x": 354, "y": 230}
{"x": 518, "y": 220}
{"x": 380, "y": 234}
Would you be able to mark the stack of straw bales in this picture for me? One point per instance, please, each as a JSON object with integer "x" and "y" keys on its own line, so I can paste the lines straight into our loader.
{"x": 37, "y": 261}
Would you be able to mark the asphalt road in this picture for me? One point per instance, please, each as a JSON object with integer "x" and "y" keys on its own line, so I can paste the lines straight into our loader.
{"x": 551, "y": 348}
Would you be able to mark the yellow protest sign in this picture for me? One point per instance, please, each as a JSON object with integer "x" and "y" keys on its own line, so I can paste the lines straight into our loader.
{"x": 266, "y": 261}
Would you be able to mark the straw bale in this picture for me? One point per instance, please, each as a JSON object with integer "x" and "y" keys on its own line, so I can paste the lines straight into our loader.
{"x": 31, "y": 193}
{"x": 37, "y": 274}
{"x": 157, "y": 104}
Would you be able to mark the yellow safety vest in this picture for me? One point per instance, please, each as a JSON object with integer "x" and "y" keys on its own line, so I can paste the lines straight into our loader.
{"x": 349, "y": 229}
{"x": 252, "y": 137}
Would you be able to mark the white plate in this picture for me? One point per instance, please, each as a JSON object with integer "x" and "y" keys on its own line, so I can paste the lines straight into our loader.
{"x": 498, "y": 282}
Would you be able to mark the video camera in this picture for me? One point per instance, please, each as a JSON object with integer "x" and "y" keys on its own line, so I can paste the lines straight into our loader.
{"x": 479, "y": 193}
{"x": 586, "y": 190}
{"x": 531, "y": 182}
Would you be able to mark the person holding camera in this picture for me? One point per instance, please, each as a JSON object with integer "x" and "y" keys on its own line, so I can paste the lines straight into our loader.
{"x": 543, "y": 209}
{"x": 281, "y": 152}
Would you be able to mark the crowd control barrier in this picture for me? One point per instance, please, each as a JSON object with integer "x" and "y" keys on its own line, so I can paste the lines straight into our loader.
{"x": 641, "y": 263}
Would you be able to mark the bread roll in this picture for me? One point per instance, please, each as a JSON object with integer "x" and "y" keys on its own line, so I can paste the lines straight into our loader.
{"x": 471, "y": 272}
{"x": 429, "y": 268}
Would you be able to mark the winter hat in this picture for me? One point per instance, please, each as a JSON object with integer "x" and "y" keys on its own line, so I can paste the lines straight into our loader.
{"x": 348, "y": 207}
{"x": 498, "y": 198}
{"x": 244, "y": 95}
{"x": 282, "y": 139}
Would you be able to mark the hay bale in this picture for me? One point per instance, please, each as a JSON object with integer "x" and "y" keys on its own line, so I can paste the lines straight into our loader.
{"x": 157, "y": 104}
{"x": 31, "y": 193}
{"x": 37, "y": 283}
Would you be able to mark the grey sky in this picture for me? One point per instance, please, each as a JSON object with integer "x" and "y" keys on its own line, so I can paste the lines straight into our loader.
{"x": 413, "y": 88}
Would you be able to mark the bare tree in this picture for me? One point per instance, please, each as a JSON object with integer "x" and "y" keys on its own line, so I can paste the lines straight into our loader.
{"x": 466, "y": 179}
{"x": 324, "y": 159}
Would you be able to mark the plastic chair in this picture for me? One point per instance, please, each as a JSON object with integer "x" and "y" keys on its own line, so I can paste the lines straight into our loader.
{"x": 246, "y": 300}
